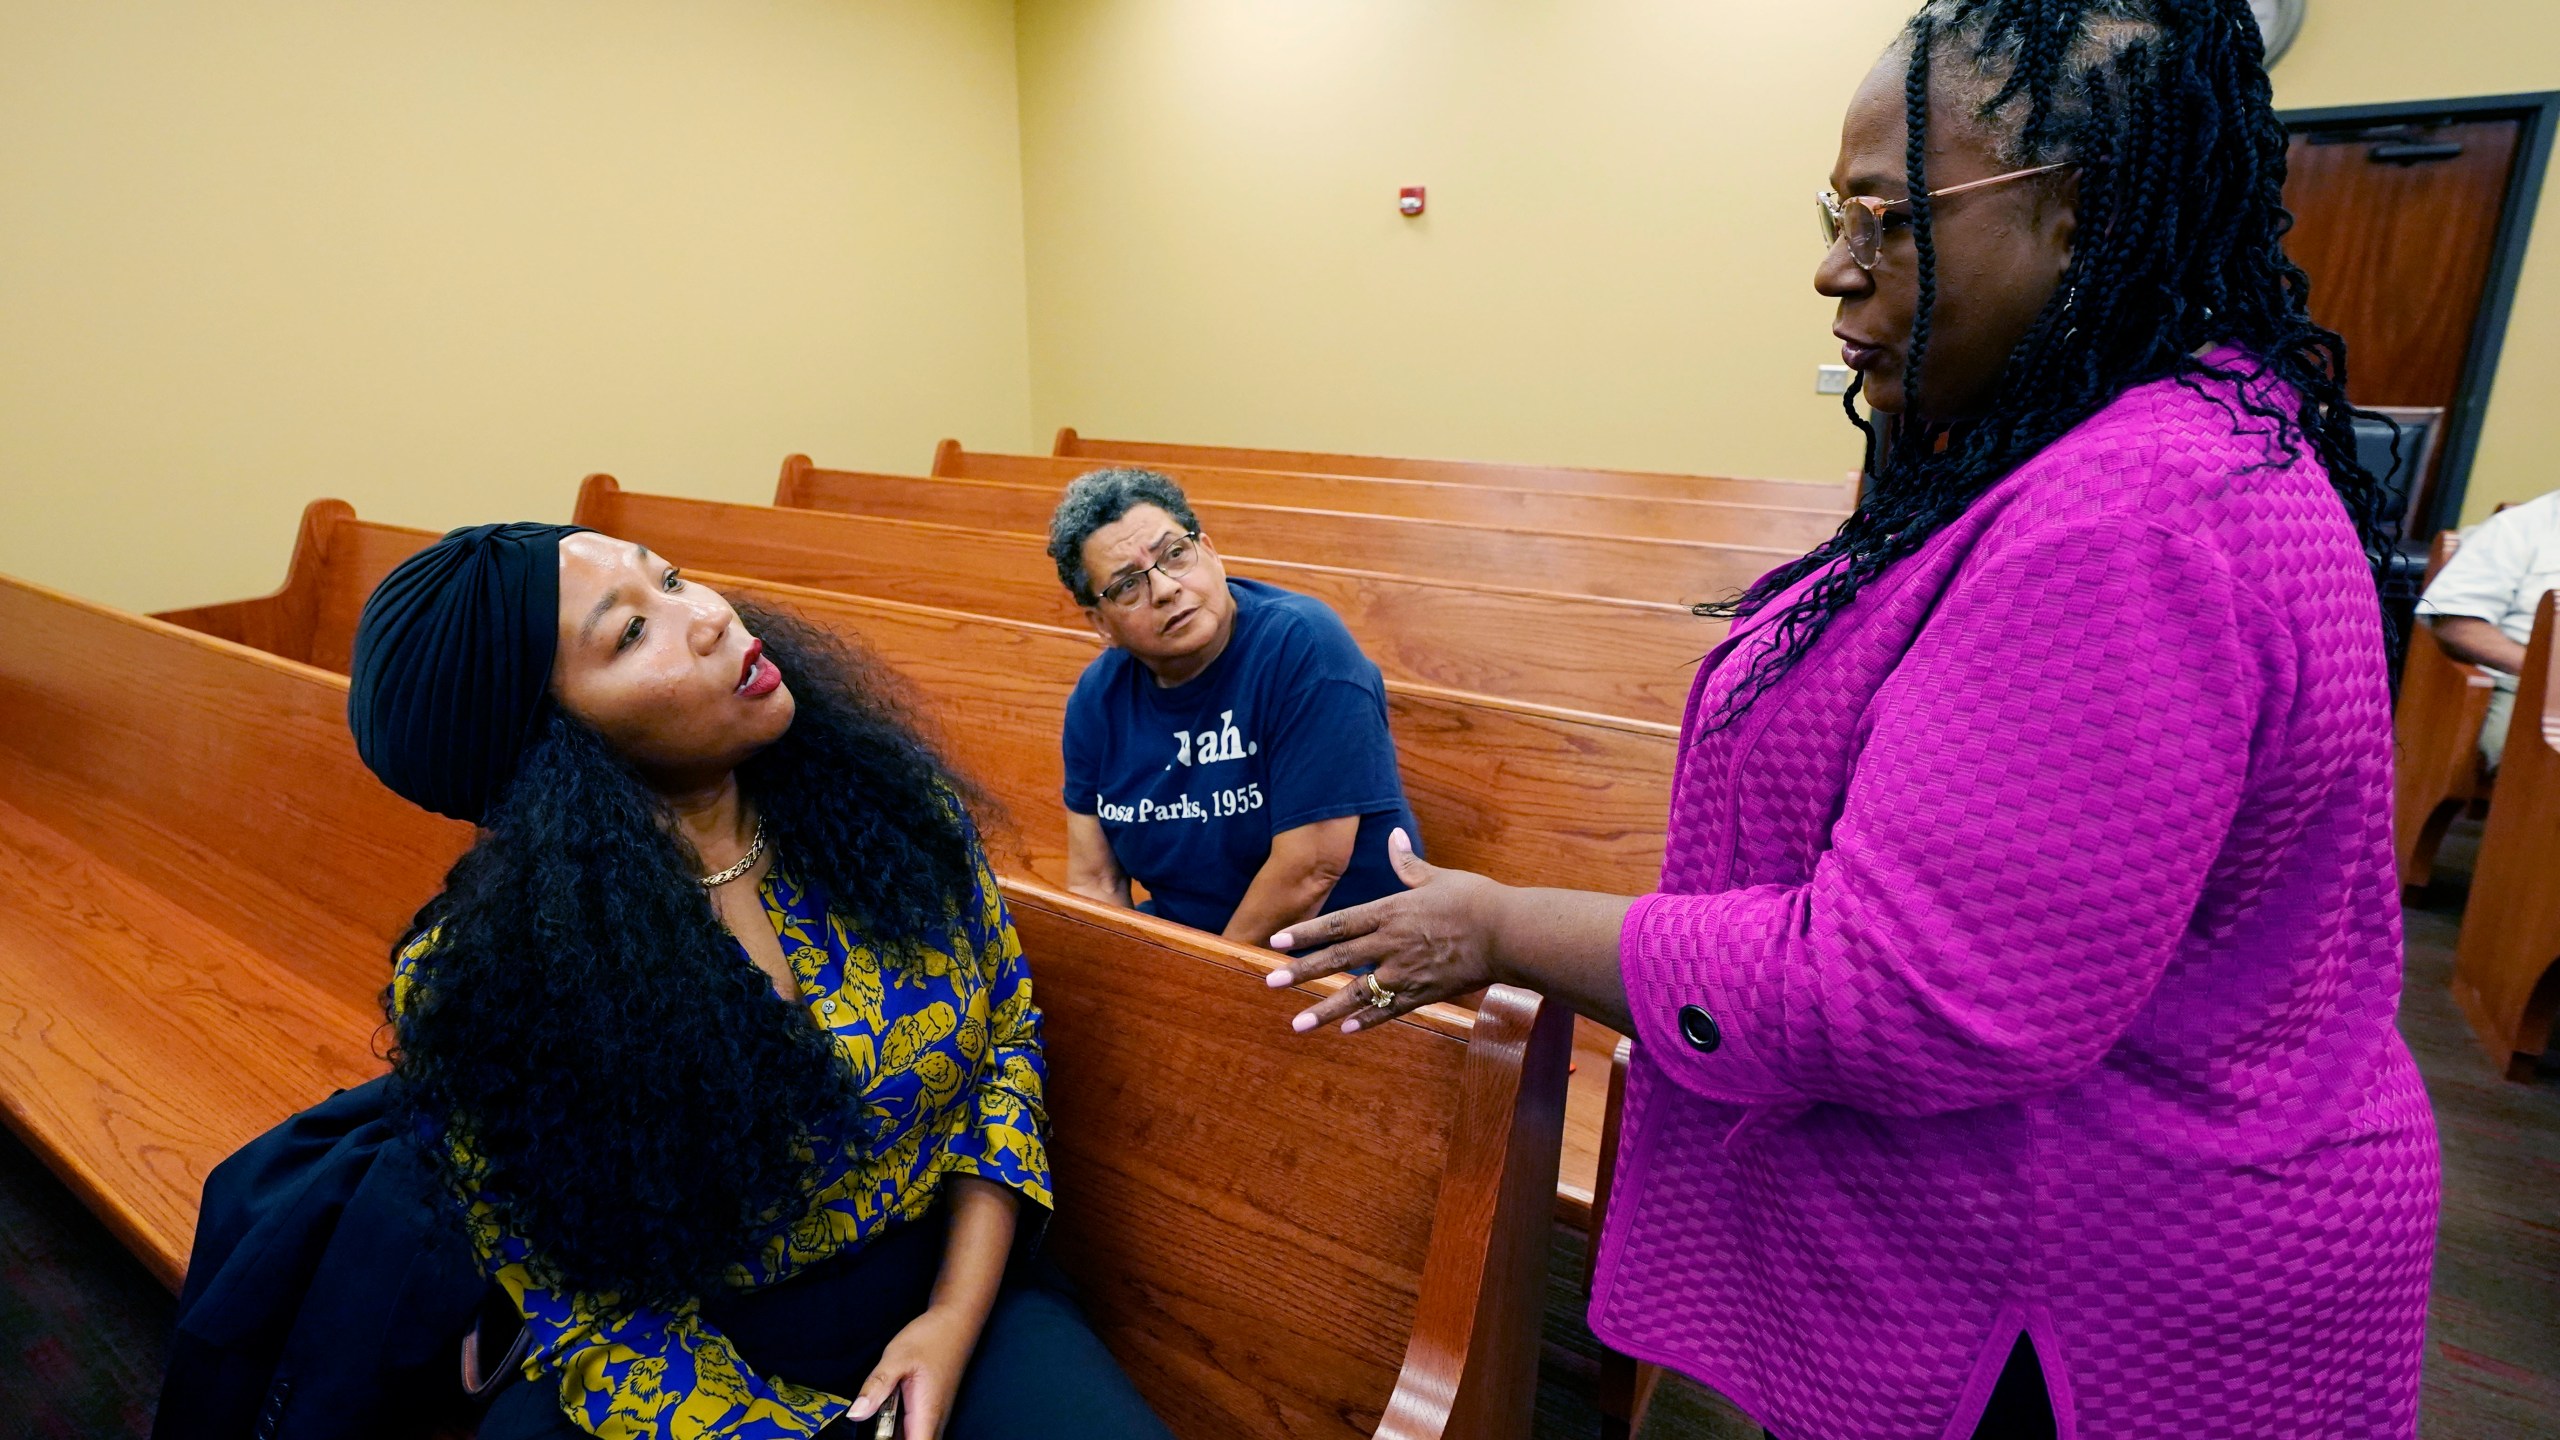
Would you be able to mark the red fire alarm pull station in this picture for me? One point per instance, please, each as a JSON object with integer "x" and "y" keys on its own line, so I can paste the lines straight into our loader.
{"x": 1409, "y": 200}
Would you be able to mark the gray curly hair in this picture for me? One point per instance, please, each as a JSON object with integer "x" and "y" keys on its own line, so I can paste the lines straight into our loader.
{"x": 1096, "y": 500}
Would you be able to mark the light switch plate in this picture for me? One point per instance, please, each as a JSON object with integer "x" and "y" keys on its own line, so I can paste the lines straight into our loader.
{"x": 1831, "y": 380}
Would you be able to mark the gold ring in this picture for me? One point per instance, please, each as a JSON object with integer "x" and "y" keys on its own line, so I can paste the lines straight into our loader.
{"x": 1379, "y": 995}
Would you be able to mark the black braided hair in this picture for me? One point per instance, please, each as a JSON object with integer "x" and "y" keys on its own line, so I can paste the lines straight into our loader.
{"x": 2165, "y": 109}
{"x": 1915, "y": 157}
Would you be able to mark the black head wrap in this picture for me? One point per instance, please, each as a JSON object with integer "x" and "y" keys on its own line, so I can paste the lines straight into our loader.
{"x": 451, "y": 679}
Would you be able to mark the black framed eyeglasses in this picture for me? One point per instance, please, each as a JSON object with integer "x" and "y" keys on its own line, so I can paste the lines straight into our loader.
{"x": 1175, "y": 562}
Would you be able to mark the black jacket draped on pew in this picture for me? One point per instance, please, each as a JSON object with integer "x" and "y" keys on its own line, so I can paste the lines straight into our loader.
{"x": 330, "y": 1282}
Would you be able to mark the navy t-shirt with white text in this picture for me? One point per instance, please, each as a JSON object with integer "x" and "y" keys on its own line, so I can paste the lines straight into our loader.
{"x": 1288, "y": 726}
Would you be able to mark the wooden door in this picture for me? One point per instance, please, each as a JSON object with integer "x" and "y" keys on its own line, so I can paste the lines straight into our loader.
{"x": 2397, "y": 226}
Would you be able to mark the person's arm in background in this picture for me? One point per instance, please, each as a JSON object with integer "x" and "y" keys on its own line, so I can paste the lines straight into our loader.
{"x": 2475, "y": 641}
{"x": 1329, "y": 761}
{"x": 2476, "y": 588}
{"x": 1294, "y": 882}
{"x": 1092, "y": 870}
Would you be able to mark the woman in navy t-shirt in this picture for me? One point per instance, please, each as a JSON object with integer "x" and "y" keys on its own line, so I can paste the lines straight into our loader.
{"x": 1230, "y": 751}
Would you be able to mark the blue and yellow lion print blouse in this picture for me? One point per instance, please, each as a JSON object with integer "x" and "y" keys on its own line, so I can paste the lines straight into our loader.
{"x": 947, "y": 1045}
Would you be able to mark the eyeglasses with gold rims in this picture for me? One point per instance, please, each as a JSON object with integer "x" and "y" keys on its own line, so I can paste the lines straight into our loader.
{"x": 1861, "y": 217}
{"x": 1175, "y": 562}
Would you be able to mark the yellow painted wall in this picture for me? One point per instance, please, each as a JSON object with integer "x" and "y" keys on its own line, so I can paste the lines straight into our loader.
{"x": 441, "y": 259}
{"x": 1615, "y": 268}
{"x": 1616, "y": 265}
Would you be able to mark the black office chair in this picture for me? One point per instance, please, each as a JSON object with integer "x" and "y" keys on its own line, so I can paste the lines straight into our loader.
{"x": 2408, "y": 476}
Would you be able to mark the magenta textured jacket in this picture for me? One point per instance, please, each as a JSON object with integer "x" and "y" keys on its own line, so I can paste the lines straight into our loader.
{"x": 2026, "y": 961}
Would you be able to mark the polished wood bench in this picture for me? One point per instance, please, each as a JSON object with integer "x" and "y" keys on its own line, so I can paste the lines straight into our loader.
{"x": 200, "y": 885}
{"x": 1625, "y": 567}
{"x": 2437, "y": 771}
{"x": 2504, "y": 973}
{"x": 1529, "y": 794}
{"x": 1838, "y": 498}
{"x": 1576, "y": 652}
{"x": 1708, "y": 521}
{"x": 198, "y": 896}
{"x": 1603, "y": 781}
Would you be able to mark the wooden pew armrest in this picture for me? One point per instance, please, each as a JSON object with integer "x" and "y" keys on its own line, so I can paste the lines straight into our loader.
{"x": 1471, "y": 1369}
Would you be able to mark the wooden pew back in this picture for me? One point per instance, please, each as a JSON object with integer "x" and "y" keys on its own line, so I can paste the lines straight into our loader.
{"x": 1202, "y": 1217}
{"x": 1708, "y": 521}
{"x": 251, "y": 807}
{"x": 1575, "y": 652}
{"x": 1837, "y": 498}
{"x": 2505, "y": 976}
{"x": 1196, "y": 1121}
{"x": 2436, "y": 732}
{"x": 1521, "y": 792}
{"x": 1462, "y": 804}
{"x": 1526, "y": 794}
{"x": 1623, "y": 567}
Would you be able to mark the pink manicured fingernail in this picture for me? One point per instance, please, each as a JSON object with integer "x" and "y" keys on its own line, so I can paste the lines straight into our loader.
{"x": 1307, "y": 1021}
{"x": 1281, "y": 940}
{"x": 1352, "y": 1027}
{"x": 1279, "y": 979}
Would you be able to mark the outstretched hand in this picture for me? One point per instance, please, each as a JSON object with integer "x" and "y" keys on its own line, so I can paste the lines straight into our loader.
{"x": 1431, "y": 943}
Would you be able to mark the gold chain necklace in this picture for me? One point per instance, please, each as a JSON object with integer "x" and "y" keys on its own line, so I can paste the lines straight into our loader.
{"x": 745, "y": 863}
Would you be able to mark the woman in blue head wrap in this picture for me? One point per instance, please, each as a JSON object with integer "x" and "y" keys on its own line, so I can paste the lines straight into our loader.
{"x": 719, "y": 1031}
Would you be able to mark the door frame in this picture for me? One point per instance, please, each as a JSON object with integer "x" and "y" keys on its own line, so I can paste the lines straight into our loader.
{"x": 2540, "y": 113}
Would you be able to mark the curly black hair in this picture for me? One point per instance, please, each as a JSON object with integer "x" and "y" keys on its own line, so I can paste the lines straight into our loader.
{"x": 602, "y": 1065}
{"x": 2164, "y": 108}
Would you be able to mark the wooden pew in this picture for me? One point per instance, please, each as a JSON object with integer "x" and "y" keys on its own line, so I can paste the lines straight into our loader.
{"x": 1575, "y": 652}
{"x": 192, "y": 947}
{"x": 1620, "y": 566}
{"x": 1708, "y": 521}
{"x": 1818, "y": 494}
{"x": 199, "y": 888}
{"x": 1204, "y": 1160}
{"x": 1526, "y": 793}
{"x": 1521, "y": 793}
{"x": 337, "y": 560}
{"x": 2503, "y": 973}
{"x": 2436, "y": 732}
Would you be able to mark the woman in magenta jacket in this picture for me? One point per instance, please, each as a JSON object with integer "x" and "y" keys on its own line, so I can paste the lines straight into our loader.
{"x": 2014, "y": 1043}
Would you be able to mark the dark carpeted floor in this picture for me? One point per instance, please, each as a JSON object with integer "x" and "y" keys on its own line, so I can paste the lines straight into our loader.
{"x": 81, "y": 1325}
{"x": 81, "y": 1322}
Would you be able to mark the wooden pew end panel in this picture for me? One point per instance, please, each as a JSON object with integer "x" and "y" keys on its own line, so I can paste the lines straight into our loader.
{"x": 2515, "y": 1045}
{"x": 1471, "y": 1369}
{"x": 282, "y": 622}
{"x": 2506, "y": 968}
{"x": 790, "y": 490}
{"x": 598, "y": 495}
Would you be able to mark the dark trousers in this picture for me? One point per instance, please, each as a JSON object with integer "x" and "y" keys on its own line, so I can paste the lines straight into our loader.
{"x": 1038, "y": 1371}
{"x": 2018, "y": 1408}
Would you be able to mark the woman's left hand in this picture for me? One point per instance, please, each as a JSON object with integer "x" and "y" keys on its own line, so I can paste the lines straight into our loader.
{"x": 927, "y": 1357}
{"x": 1433, "y": 942}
